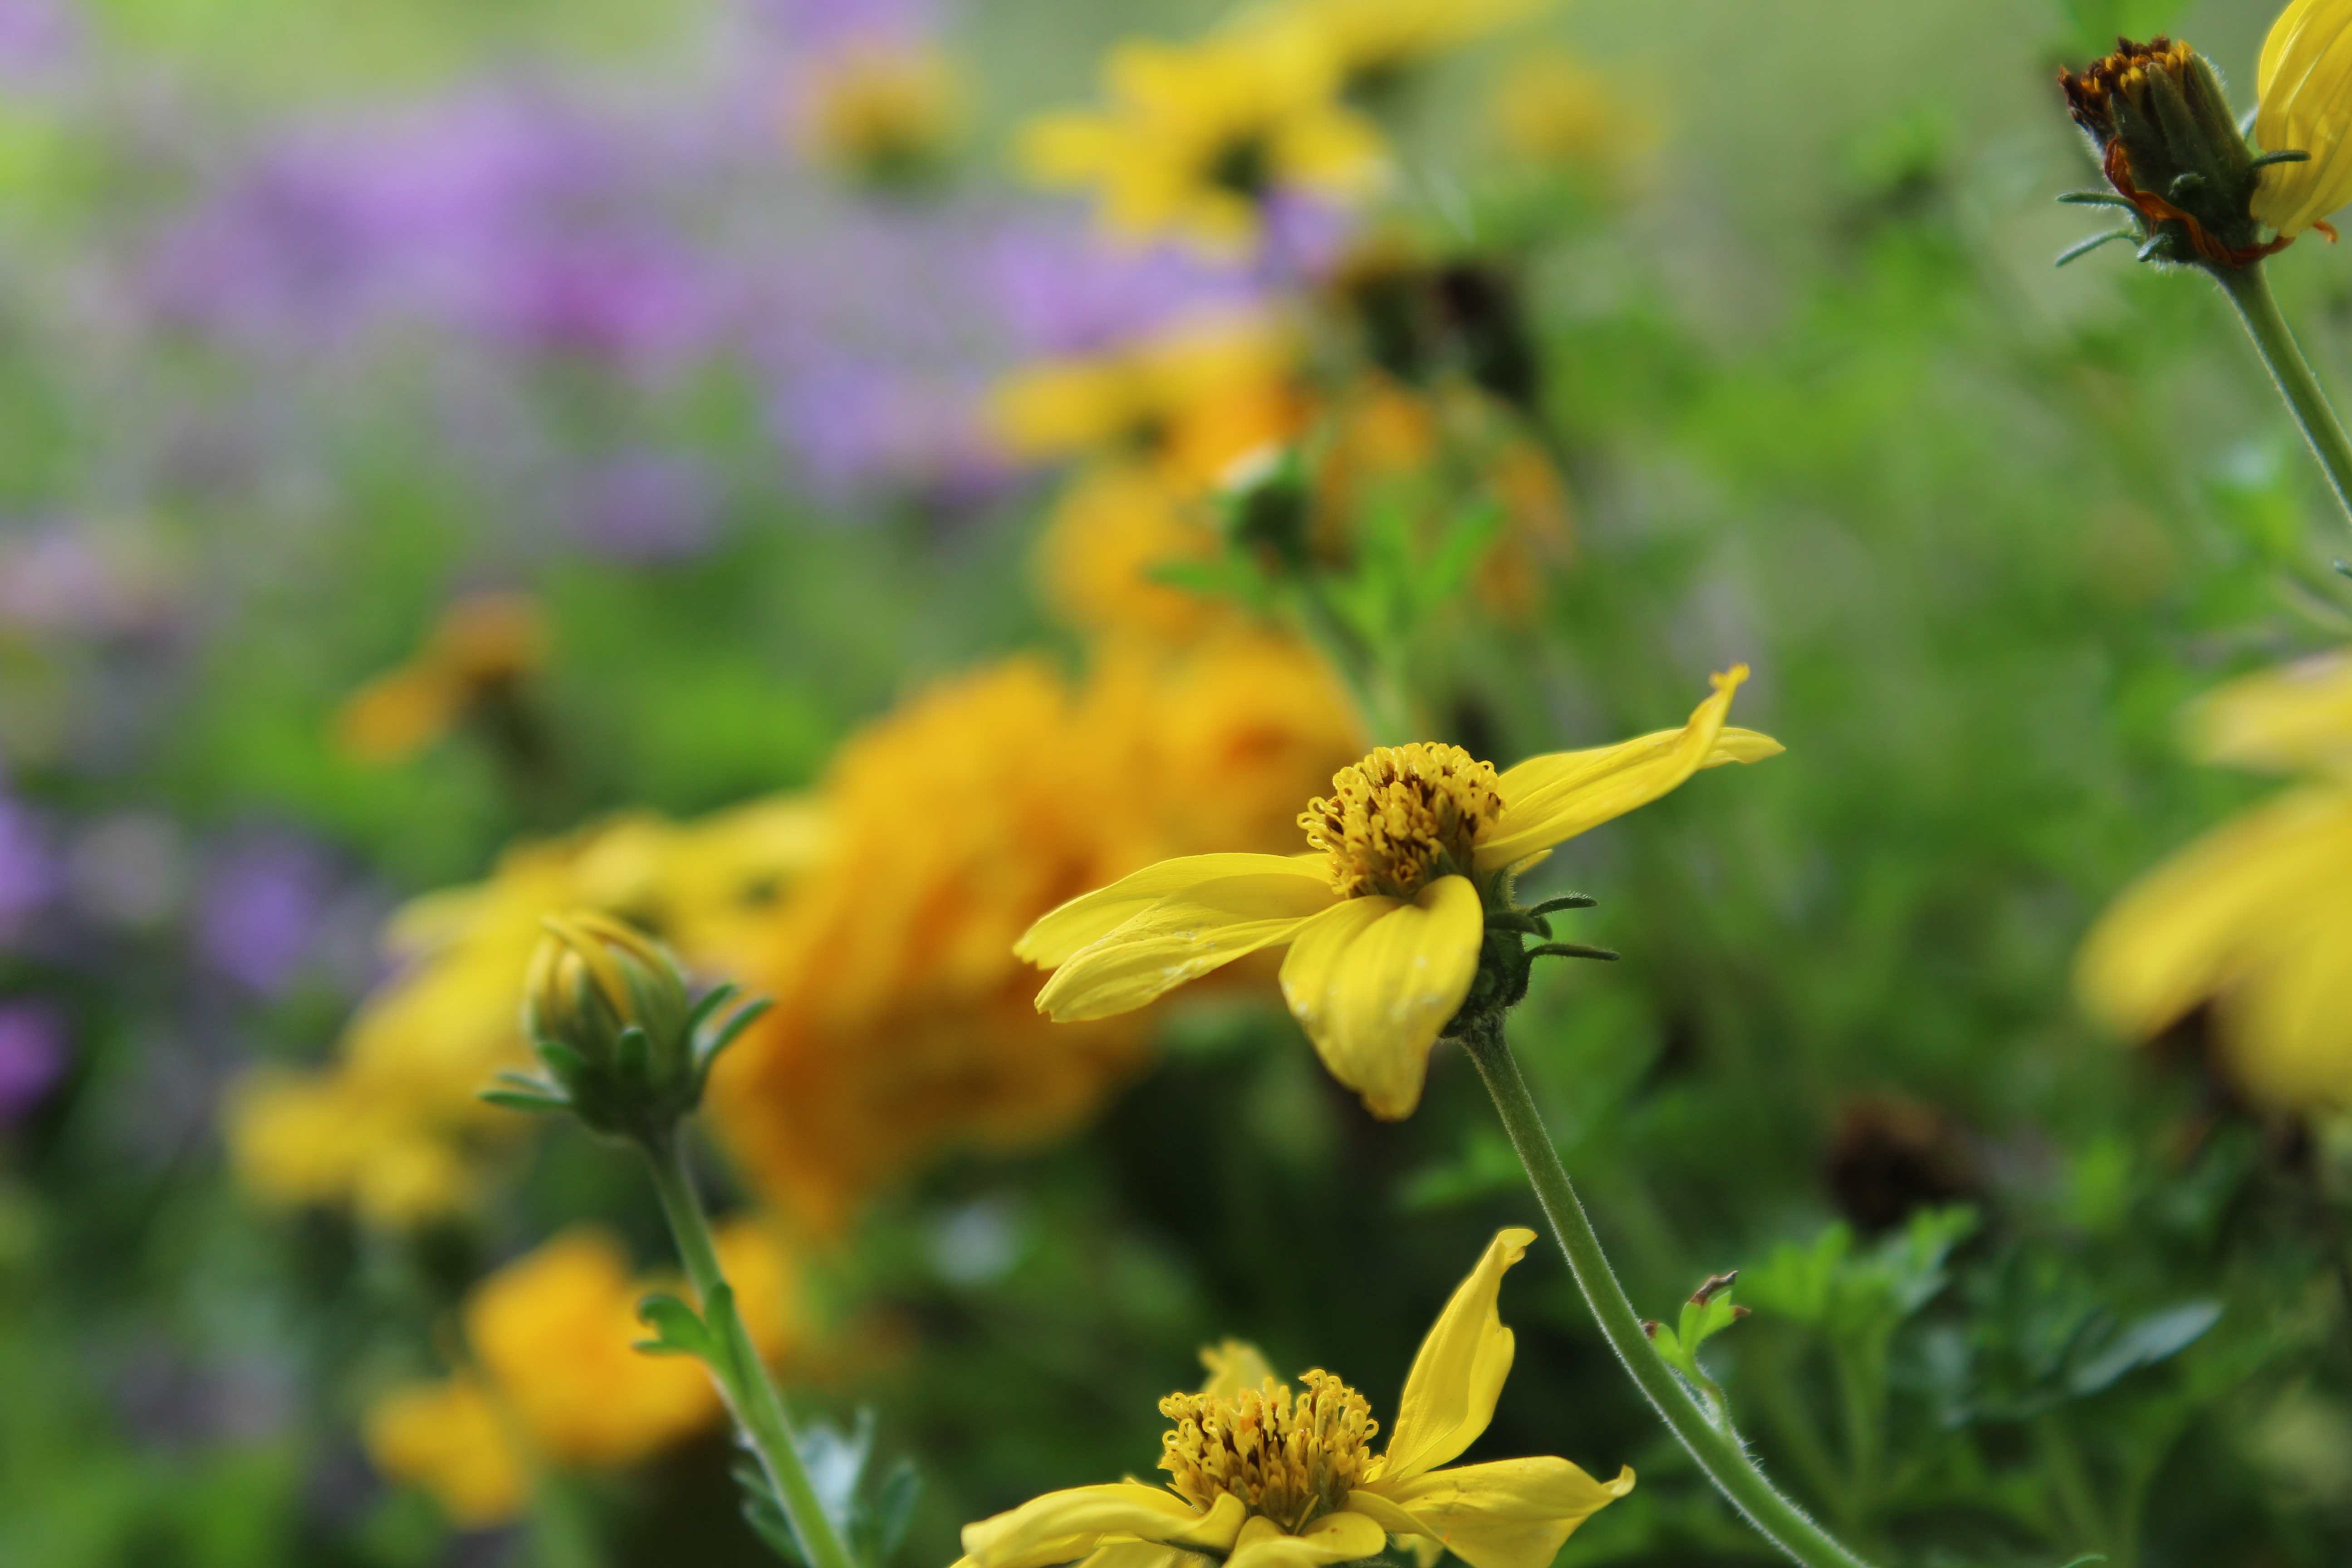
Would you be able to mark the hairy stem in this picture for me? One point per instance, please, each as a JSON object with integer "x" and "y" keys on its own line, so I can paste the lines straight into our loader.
{"x": 743, "y": 1381}
{"x": 2248, "y": 289}
{"x": 1720, "y": 1452}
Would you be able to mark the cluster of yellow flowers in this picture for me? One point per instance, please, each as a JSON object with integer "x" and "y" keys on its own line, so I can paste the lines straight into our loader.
{"x": 553, "y": 1379}
{"x": 393, "y": 1127}
{"x": 1200, "y": 136}
{"x": 2256, "y": 918}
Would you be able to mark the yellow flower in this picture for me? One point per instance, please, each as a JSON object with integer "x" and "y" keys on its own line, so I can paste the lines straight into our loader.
{"x": 482, "y": 647}
{"x": 1200, "y": 135}
{"x": 902, "y": 1024}
{"x": 556, "y": 1379}
{"x": 1378, "y": 40}
{"x": 1190, "y": 400}
{"x": 2303, "y": 84}
{"x": 1108, "y": 536}
{"x": 1264, "y": 1477}
{"x": 395, "y": 1125}
{"x": 1385, "y": 915}
{"x": 881, "y": 111}
{"x": 2255, "y": 918}
{"x": 449, "y": 1438}
{"x": 1552, "y": 108}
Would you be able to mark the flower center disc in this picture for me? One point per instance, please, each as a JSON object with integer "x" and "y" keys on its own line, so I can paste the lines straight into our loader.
{"x": 1292, "y": 1460}
{"x": 1403, "y": 818}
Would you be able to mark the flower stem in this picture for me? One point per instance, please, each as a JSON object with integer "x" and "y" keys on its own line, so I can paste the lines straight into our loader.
{"x": 1720, "y": 1452}
{"x": 2248, "y": 289}
{"x": 742, "y": 1378}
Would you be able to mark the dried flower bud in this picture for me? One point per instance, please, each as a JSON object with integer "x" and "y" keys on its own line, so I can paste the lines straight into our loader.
{"x": 2170, "y": 147}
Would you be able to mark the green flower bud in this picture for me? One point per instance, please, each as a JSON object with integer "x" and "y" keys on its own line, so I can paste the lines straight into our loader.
{"x": 608, "y": 1013}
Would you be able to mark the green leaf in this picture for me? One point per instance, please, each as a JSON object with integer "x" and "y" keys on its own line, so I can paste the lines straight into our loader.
{"x": 676, "y": 1329}
{"x": 2156, "y": 1338}
{"x": 515, "y": 1100}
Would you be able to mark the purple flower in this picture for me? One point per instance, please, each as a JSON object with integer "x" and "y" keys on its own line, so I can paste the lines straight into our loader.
{"x": 28, "y": 872}
{"x": 259, "y": 912}
{"x": 825, "y": 24}
{"x": 1062, "y": 290}
{"x": 39, "y": 38}
{"x": 32, "y": 1056}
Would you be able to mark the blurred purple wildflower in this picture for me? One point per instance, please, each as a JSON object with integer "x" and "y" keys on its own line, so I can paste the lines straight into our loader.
{"x": 1062, "y": 290}
{"x": 32, "y": 1056}
{"x": 38, "y": 39}
{"x": 825, "y": 23}
{"x": 259, "y": 912}
{"x": 28, "y": 871}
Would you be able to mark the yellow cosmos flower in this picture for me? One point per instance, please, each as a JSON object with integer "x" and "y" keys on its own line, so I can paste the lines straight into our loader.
{"x": 1109, "y": 532}
{"x": 1385, "y": 916}
{"x": 481, "y": 649}
{"x": 1260, "y": 1476}
{"x": 1200, "y": 135}
{"x": 556, "y": 1379}
{"x": 1190, "y": 400}
{"x": 2305, "y": 87}
{"x": 2256, "y": 918}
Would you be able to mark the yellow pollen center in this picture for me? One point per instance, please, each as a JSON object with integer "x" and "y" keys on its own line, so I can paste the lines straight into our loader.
{"x": 1292, "y": 1460}
{"x": 1401, "y": 818}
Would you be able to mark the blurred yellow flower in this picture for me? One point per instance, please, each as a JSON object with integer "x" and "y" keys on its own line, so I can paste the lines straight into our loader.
{"x": 902, "y": 1024}
{"x": 481, "y": 649}
{"x": 393, "y": 1126}
{"x": 881, "y": 111}
{"x": 1384, "y": 916}
{"x": 2255, "y": 918}
{"x": 450, "y": 1438}
{"x": 899, "y": 1026}
{"x": 1376, "y": 41}
{"x": 1551, "y": 108}
{"x": 1199, "y": 136}
{"x": 1264, "y": 1477}
{"x": 2303, "y": 83}
{"x": 555, "y": 1379}
{"x": 1192, "y": 399}
{"x": 1117, "y": 524}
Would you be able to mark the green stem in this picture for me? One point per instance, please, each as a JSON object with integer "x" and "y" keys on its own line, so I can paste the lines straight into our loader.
{"x": 744, "y": 1380}
{"x": 1720, "y": 1452}
{"x": 2248, "y": 289}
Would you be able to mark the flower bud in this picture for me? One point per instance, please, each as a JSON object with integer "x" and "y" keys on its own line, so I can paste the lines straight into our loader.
{"x": 2170, "y": 147}
{"x": 608, "y": 1013}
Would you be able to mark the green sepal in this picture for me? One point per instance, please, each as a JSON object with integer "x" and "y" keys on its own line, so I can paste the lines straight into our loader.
{"x": 726, "y": 1034}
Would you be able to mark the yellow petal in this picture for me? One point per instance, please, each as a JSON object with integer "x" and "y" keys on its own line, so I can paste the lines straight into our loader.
{"x": 1342, "y": 1537}
{"x": 1064, "y": 1526}
{"x": 1512, "y": 1513}
{"x": 1377, "y": 980}
{"x": 2196, "y": 924}
{"x": 1450, "y": 1395}
{"x": 2296, "y": 717}
{"x": 1234, "y": 1365}
{"x": 1090, "y": 917}
{"x": 1143, "y": 1555}
{"x": 1067, "y": 148}
{"x": 2288, "y": 1025}
{"x": 1549, "y": 799}
{"x": 1181, "y": 937}
{"x": 2304, "y": 73}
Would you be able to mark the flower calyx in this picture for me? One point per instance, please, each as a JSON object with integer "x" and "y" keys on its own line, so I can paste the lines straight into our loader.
{"x": 1516, "y": 937}
{"x": 626, "y": 1049}
{"x": 2172, "y": 151}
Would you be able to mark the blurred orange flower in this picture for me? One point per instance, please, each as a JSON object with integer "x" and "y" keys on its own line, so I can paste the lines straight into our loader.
{"x": 555, "y": 1379}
